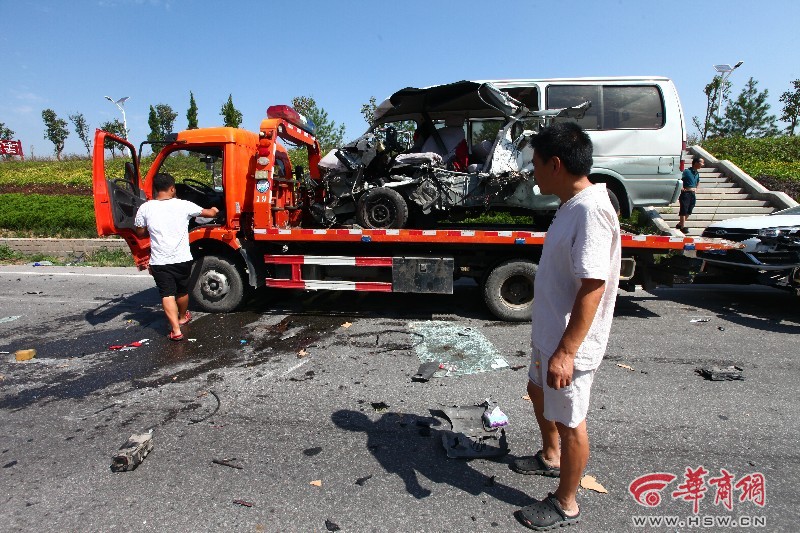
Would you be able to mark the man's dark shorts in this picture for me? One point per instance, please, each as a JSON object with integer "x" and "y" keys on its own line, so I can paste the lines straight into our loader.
{"x": 687, "y": 201}
{"x": 172, "y": 280}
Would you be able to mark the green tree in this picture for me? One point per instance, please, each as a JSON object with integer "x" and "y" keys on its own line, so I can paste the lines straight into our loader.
{"x": 191, "y": 113}
{"x": 712, "y": 91}
{"x": 117, "y": 128}
{"x": 791, "y": 107}
{"x": 368, "y": 110}
{"x": 55, "y": 130}
{"x": 329, "y": 135}
{"x": 232, "y": 117}
{"x": 82, "y": 129}
{"x": 161, "y": 120}
{"x": 748, "y": 115}
{"x": 6, "y": 133}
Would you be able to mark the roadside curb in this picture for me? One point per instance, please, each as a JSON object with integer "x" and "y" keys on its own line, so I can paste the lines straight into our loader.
{"x": 62, "y": 247}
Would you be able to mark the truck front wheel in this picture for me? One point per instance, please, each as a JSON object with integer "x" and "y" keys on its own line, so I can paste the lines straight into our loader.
{"x": 218, "y": 286}
{"x": 508, "y": 290}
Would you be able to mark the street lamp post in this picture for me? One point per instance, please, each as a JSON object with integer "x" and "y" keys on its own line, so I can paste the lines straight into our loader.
{"x": 724, "y": 72}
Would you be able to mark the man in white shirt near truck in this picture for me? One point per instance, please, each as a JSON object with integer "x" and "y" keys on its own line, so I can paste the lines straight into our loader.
{"x": 166, "y": 219}
{"x": 575, "y": 292}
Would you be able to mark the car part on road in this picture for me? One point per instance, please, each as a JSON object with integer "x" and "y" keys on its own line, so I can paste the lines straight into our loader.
{"x": 132, "y": 452}
{"x": 469, "y": 437}
{"x": 227, "y": 462}
{"x": 718, "y": 373}
{"x": 425, "y": 371}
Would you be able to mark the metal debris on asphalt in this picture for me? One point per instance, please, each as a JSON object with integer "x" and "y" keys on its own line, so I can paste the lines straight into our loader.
{"x": 196, "y": 420}
{"x": 469, "y": 437}
{"x": 360, "y": 481}
{"x": 132, "y": 453}
{"x": 5, "y": 319}
{"x": 719, "y": 373}
{"x": 243, "y": 503}
{"x": 227, "y": 462}
{"x": 425, "y": 371}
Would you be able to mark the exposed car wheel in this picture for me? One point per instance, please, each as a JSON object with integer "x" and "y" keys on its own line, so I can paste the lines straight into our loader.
{"x": 218, "y": 286}
{"x": 382, "y": 208}
{"x": 508, "y": 290}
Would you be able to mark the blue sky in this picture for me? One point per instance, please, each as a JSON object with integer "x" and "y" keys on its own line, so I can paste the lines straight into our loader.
{"x": 67, "y": 55}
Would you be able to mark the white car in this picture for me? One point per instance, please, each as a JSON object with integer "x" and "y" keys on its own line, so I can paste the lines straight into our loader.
{"x": 771, "y": 253}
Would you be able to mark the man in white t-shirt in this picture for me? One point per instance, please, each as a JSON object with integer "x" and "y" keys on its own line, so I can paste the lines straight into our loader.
{"x": 575, "y": 291}
{"x": 166, "y": 219}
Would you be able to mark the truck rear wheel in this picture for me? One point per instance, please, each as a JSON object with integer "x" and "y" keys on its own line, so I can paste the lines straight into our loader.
{"x": 218, "y": 286}
{"x": 508, "y": 290}
{"x": 382, "y": 208}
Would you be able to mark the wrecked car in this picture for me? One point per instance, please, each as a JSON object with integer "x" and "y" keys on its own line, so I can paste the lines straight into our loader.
{"x": 391, "y": 177}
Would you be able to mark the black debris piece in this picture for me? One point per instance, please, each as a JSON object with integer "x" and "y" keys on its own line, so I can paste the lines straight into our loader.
{"x": 331, "y": 525}
{"x": 9, "y": 464}
{"x": 489, "y": 481}
{"x": 243, "y": 503}
{"x": 519, "y": 367}
{"x": 212, "y": 413}
{"x": 311, "y": 452}
{"x": 227, "y": 462}
{"x": 360, "y": 481}
{"x": 425, "y": 371}
{"x": 380, "y": 406}
{"x": 720, "y": 373}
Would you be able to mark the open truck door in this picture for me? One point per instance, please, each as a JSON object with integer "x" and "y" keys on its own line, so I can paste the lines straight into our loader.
{"x": 117, "y": 198}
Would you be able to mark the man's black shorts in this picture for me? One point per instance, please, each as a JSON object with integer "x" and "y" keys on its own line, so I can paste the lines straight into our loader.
{"x": 172, "y": 280}
{"x": 687, "y": 200}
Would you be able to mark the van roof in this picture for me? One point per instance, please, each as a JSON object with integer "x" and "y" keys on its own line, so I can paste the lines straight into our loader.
{"x": 523, "y": 81}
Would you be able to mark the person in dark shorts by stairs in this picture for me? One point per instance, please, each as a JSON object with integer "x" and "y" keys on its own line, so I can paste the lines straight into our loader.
{"x": 691, "y": 179}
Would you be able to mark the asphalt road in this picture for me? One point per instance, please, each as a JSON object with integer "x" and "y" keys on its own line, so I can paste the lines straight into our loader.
{"x": 297, "y": 376}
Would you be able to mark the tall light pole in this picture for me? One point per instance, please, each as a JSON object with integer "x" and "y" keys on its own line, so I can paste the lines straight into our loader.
{"x": 121, "y": 105}
{"x": 724, "y": 72}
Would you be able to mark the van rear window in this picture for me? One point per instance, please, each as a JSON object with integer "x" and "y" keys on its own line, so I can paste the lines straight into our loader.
{"x": 613, "y": 106}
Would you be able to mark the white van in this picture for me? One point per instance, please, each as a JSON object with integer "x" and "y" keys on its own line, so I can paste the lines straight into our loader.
{"x": 636, "y": 124}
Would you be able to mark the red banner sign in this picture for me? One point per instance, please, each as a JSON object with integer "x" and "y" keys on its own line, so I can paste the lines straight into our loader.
{"x": 8, "y": 147}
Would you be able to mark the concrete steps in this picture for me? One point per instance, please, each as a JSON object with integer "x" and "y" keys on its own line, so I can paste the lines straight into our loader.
{"x": 718, "y": 198}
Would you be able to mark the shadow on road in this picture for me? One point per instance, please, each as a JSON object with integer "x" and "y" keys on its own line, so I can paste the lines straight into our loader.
{"x": 408, "y": 445}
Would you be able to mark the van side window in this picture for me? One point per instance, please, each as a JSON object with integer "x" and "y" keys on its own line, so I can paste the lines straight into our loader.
{"x": 632, "y": 108}
{"x": 559, "y": 96}
{"x": 614, "y": 107}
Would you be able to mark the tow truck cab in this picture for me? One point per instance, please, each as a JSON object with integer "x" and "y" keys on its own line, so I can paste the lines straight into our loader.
{"x": 248, "y": 176}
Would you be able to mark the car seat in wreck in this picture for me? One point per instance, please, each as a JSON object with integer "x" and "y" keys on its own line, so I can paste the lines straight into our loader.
{"x": 450, "y": 142}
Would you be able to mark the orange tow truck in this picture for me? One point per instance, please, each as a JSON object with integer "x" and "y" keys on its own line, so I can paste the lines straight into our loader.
{"x": 264, "y": 234}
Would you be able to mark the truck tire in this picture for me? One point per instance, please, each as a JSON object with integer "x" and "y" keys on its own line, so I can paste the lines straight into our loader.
{"x": 218, "y": 286}
{"x": 382, "y": 208}
{"x": 508, "y": 290}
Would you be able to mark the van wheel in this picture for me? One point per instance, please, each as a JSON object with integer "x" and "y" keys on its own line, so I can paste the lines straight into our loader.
{"x": 508, "y": 290}
{"x": 218, "y": 285}
{"x": 382, "y": 208}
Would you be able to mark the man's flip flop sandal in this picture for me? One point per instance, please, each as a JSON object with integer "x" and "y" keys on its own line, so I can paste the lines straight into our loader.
{"x": 545, "y": 515}
{"x": 174, "y": 337}
{"x": 186, "y": 319}
{"x": 535, "y": 466}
